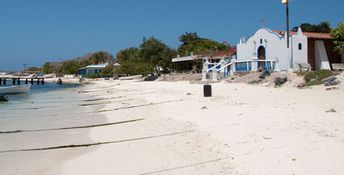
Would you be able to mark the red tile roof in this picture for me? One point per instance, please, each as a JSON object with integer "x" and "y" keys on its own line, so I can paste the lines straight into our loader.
{"x": 221, "y": 54}
{"x": 312, "y": 35}
{"x": 317, "y": 35}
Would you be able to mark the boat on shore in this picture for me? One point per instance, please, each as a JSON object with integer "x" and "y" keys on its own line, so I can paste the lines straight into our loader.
{"x": 15, "y": 89}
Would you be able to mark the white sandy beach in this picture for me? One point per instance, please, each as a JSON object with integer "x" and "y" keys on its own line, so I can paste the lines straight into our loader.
{"x": 170, "y": 128}
{"x": 242, "y": 129}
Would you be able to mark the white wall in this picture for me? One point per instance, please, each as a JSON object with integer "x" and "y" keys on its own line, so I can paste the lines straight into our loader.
{"x": 274, "y": 44}
{"x": 299, "y": 56}
{"x": 321, "y": 59}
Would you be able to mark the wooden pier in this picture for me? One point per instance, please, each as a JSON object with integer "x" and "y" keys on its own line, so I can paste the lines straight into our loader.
{"x": 19, "y": 80}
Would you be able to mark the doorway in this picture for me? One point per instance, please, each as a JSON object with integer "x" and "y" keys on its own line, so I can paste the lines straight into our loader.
{"x": 261, "y": 56}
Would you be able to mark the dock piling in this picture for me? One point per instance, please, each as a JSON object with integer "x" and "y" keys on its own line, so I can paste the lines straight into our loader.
{"x": 18, "y": 81}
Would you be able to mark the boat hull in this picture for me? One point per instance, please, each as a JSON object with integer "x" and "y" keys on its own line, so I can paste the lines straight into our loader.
{"x": 15, "y": 89}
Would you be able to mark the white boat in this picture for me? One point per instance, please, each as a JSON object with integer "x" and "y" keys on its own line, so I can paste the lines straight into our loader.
{"x": 15, "y": 89}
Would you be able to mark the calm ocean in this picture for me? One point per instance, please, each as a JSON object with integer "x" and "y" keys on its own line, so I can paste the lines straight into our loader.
{"x": 39, "y": 115}
{"x": 35, "y": 91}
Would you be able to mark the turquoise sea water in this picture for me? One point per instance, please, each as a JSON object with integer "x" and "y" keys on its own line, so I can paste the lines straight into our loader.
{"x": 15, "y": 99}
{"x": 46, "y": 107}
{"x": 42, "y": 105}
{"x": 39, "y": 107}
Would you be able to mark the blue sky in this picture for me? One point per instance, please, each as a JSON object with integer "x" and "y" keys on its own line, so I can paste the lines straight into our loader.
{"x": 37, "y": 31}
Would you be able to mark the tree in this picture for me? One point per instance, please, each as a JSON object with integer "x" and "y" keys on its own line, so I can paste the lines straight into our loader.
{"x": 100, "y": 57}
{"x": 149, "y": 57}
{"x": 126, "y": 55}
{"x": 157, "y": 53}
{"x": 338, "y": 36}
{"x": 69, "y": 67}
{"x": 189, "y": 37}
{"x": 131, "y": 62}
{"x": 323, "y": 27}
{"x": 134, "y": 68}
{"x": 107, "y": 71}
{"x": 48, "y": 68}
{"x": 191, "y": 42}
{"x": 84, "y": 63}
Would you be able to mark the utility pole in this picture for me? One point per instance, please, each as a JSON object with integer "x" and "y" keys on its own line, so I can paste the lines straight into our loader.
{"x": 286, "y": 3}
{"x": 24, "y": 67}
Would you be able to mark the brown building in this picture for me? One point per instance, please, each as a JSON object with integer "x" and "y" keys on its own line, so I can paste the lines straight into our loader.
{"x": 326, "y": 54}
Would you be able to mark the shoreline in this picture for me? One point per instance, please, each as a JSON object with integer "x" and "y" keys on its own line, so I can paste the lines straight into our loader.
{"x": 170, "y": 128}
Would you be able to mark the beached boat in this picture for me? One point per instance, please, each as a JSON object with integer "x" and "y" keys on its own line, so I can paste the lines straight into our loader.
{"x": 15, "y": 89}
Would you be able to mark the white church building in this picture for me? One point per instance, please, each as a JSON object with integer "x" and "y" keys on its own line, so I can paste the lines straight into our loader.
{"x": 267, "y": 49}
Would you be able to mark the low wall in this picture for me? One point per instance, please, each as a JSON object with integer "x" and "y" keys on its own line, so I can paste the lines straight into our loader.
{"x": 181, "y": 77}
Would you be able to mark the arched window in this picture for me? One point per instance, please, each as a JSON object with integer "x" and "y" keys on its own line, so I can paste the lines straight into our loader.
{"x": 300, "y": 46}
{"x": 261, "y": 41}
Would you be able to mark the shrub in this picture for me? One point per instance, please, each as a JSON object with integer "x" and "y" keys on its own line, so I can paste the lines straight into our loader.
{"x": 107, "y": 71}
{"x": 92, "y": 76}
{"x": 134, "y": 68}
{"x": 316, "y": 77}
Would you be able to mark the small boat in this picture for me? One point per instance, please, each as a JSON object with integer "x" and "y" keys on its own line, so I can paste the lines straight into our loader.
{"x": 15, "y": 89}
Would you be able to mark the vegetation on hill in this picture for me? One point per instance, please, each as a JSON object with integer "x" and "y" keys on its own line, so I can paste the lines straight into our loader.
{"x": 153, "y": 56}
{"x": 48, "y": 68}
{"x": 33, "y": 69}
{"x": 323, "y": 27}
{"x": 191, "y": 42}
{"x": 72, "y": 66}
{"x": 69, "y": 67}
{"x": 149, "y": 57}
